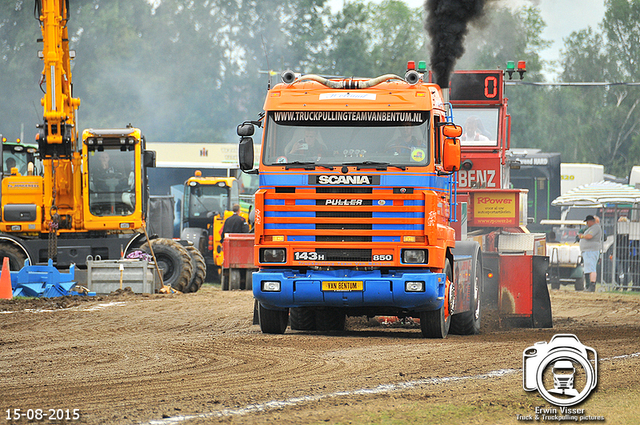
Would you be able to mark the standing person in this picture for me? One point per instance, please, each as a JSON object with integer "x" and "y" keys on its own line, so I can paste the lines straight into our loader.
{"x": 235, "y": 223}
{"x": 590, "y": 245}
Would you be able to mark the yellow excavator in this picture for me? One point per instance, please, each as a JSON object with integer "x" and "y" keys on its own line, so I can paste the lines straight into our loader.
{"x": 92, "y": 197}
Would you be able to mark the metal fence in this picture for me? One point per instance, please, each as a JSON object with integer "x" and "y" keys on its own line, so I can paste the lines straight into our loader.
{"x": 619, "y": 266}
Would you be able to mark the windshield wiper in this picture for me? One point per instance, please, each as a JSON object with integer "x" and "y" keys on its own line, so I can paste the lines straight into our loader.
{"x": 307, "y": 165}
{"x": 374, "y": 164}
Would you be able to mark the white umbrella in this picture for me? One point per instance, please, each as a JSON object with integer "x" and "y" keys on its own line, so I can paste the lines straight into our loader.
{"x": 598, "y": 194}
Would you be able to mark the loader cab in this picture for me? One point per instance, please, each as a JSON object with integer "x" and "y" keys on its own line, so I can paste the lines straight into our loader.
{"x": 207, "y": 197}
{"x": 19, "y": 155}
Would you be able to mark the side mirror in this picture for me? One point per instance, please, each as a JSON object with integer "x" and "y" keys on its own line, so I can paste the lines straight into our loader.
{"x": 451, "y": 154}
{"x": 149, "y": 159}
{"x": 452, "y": 130}
{"x": 245, "y": 129}
{"x": 245, "y": 153}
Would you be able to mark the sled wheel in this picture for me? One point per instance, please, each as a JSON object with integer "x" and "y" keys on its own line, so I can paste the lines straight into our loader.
{"x": 468, "y": 323}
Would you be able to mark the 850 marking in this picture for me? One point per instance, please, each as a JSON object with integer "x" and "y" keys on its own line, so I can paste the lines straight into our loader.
{"x": 309, "y": 256}
{"x": 382, "y": 257}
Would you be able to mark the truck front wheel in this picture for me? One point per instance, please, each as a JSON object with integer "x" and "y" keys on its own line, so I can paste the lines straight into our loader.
{"x": 436, "y": 323}
{"x": 272, "y": 321}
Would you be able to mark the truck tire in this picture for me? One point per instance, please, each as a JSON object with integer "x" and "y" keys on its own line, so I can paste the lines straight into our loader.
{"x": 15, "y": 255}
{"x": 436, "y": 323}
{"x": 248, "y": 279}
{"x": 235, "y": 279}
{"x": 199, "y": 269}
{"x": 302, "y": 319}
{"x": 224, "y": 279}
{"x": 272, "y": 321}
{"x": 468, "y": 323}
{"x": 578, "y": 284}
{"x": 174, "y": 260}
{"x": 330, "y": 319}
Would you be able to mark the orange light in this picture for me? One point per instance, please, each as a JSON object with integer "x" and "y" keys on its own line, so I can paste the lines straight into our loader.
{"x": 275, "y": 94}
{"x": 198, "y": 173}
{"x": 276, "y": 238}
{"x": 490, "y": 275}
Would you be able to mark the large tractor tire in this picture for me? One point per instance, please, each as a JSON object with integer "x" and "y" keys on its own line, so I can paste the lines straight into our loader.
{"x": 302, "y": 319}
{"x": 174, "y": 261}
{"x": 436, "y": 323}
{"x": 272, "y": 321}
{"x": 15, "y": 255}
{"x": 199, "y": 269}
{"x": 468, "y": 323}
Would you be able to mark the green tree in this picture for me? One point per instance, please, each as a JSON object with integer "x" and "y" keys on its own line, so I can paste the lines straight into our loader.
{"x": 602, "y": 124}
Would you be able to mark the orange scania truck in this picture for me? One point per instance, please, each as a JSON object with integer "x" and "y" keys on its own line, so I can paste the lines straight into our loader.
{"x": 354, "y": 211}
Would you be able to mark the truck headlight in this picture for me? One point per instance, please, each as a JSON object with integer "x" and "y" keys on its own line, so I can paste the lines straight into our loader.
{"x": 273, "y": 255}
{"x": 414, "y": 286}
{"x": 270, "y": 286}
{"x": 414, "y": 256}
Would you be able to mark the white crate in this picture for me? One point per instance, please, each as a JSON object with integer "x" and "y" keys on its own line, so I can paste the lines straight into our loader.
{"x": 106, "y": 276}
{"x": 530, "y": 243}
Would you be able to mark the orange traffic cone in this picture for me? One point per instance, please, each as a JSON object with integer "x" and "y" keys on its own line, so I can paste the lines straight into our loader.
{"x": 5, "y": 281}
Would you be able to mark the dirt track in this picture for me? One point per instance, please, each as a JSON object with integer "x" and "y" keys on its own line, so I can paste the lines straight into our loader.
{"x": 136, "y": 359}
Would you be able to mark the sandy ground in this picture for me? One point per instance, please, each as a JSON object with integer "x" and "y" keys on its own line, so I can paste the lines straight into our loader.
{"x": 197, "y": 358}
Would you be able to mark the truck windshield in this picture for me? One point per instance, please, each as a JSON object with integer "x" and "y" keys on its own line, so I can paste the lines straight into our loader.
{"x": 336, "y": 138}
{"x": 200, "y": 200}
{"x": 111, "y": 182}
{"x": 480, "y": 126}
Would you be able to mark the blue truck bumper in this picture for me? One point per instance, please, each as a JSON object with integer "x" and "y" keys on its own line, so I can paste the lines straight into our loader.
{"x": 277, "y": 289}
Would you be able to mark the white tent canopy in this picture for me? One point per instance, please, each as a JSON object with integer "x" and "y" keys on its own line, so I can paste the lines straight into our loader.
{"x": 598, "y": 194}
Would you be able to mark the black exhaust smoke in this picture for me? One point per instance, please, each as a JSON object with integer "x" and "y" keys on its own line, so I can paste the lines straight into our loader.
{"x": 447, "y": 24}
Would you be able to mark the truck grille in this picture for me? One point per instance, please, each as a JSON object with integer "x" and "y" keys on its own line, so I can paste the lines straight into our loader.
{"x": 343, "y": 214}
{"x": 345, "y": 254}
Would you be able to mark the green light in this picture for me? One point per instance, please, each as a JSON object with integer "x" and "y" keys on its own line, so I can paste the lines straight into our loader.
{"x": 511, "y": 65}
{"x": 422, "y": 66}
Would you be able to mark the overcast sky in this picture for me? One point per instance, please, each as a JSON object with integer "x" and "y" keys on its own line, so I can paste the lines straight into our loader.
{"x": 561, "y": 16}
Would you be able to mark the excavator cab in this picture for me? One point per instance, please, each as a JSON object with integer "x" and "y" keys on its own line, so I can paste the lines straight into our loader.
{"x": 113, "y": 178}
